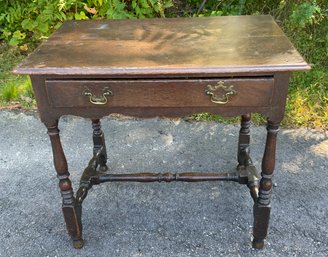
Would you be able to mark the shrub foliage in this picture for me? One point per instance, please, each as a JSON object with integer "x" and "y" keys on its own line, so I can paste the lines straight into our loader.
{"x": 24, "y": 21}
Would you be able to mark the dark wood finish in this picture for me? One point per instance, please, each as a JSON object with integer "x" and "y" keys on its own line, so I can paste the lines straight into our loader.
{"x": 158, "y": 93}
{"x": 166, "y": 177}
{"x": 162, "y": 67}
{"x": 244, "y": 138}
{"x": 99, "y": 144}
{"x": 263, "y": 205}
{"x": 280, "y": 90}
{"x": 165, "y": 46}
{"x": 71, "y": 210}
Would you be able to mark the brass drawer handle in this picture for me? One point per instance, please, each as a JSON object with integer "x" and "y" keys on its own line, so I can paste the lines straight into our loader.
{"x": 225, "y": 91}
{"x": 101, "y": 100}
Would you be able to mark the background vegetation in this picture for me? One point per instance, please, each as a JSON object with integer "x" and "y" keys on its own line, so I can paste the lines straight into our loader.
{"x": 25, "y": 23}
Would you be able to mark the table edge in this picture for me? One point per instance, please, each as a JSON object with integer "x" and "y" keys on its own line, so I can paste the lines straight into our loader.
{"x": 158, "y": 71}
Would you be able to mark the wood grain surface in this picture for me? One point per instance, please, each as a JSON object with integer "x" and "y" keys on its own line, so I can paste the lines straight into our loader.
{"x": 158, "y": 93}
{"x": 165, "y": 46}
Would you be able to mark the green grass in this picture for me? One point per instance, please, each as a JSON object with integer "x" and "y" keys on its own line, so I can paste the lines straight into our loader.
{"x": 9, "y": 92}
{"x": 307, "y": 103}
{"x": 14, "y": 90}
{"x": 257, "y": 119}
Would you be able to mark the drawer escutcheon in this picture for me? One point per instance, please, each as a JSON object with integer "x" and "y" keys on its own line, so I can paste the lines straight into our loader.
{"x": 220, "y": 99}
{"x": 101, "y": 100}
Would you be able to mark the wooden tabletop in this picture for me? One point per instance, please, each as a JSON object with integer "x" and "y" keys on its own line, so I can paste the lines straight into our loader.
{"x": 165, "y": 46}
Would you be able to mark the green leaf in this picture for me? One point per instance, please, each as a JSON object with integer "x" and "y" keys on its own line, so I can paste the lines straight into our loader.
{"x": 134, "y": 4}
{"x": 167, "y": 4}
{"x": 43, "y": 27}
{"x": 28, "y": 24}
{"x": 19, "y": 35}
{"x": 305, "y": 14}
{"x": 57, "y": 26}
{"x": 2, "y": 16}
{"x": 5, "y": 34}
{"x": 17, "y": 38}
{"x": 81, "y": 16}
{"x": 14, "y": 41}
{"x": 216, "y": 13}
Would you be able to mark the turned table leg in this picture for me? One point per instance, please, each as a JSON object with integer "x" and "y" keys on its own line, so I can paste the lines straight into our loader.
{"x": 246, "y": 170}
{"x": 263, "y": 205}
{"x": 71, "y": 209}
{"x": 98, "y": 143}
{"x": 244, "y": 137}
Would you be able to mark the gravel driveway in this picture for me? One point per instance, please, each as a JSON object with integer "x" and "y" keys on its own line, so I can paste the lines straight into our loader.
{"x": 158, "y": 219}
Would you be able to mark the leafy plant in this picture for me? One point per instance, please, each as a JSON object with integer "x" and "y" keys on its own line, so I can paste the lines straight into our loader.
{"x": 17, "y": 88}
{"x": 304, "y": 14}
{"x": 29, "y": 21}
{"x": 9, "y": 92}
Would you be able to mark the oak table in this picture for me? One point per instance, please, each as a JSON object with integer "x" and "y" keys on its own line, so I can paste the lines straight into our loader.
{"x": 229, "y": 66}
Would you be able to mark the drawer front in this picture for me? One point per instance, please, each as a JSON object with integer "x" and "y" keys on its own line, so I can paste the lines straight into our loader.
{"x": 160, "y": 93}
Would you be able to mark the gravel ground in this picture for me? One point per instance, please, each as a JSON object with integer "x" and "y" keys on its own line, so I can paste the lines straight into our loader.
{"x": 158, "y": 219}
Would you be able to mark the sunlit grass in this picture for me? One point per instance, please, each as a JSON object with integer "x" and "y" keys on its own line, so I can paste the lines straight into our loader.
{"x": 17, "y": 90}
{"x": 307, "y": 103}
{"x": 9, "y": 92}
{"x": 14, "y": 89}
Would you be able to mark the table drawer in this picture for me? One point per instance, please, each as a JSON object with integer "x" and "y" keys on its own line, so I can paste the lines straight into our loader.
{"x": 160, "y": 93}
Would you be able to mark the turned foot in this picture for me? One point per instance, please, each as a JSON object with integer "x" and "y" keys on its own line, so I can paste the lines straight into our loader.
{"x": 258, "y": 244}
{"x": 71, "y": 211}
{"x": 262, "y": 206}
{"x": 78, "y": 244}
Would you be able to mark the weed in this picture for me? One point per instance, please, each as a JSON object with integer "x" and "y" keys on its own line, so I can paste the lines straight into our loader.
{"x": 9, "y": 92}
{"x": 13, "y": 88}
